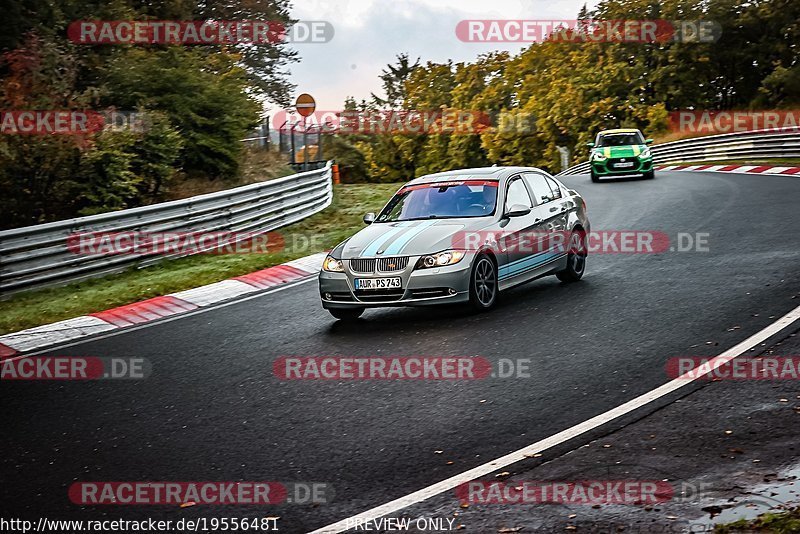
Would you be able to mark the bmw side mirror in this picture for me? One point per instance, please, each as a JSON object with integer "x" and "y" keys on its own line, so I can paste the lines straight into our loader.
{"x": 518, "y": 210}
{"x": 369, "y": 218}
{"x": 648, "y": 141}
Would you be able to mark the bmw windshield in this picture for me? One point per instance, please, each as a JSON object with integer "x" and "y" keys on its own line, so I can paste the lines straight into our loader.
{"x": 443, "y": 200}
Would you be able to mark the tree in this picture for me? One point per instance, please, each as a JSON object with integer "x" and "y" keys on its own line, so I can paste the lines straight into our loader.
{"x": 562, "y": 91}
{"x": 780, "y": 89}
{"x": 265, "y": 65}
{"x": 205, "y": 97}
{"x": 394, "y": 78}
{"x": 200, "y": 102}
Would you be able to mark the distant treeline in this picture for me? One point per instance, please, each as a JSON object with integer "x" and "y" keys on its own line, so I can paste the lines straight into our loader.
{"x": 558, "y": 93}
{"x": 193, "y": 104}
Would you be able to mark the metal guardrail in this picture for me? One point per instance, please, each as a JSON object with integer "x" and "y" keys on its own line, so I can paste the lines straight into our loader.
{"x": 761, "y": 144}
{"x": 38, "y": 256}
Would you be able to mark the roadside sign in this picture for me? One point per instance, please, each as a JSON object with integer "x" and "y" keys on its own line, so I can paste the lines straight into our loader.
{"x": 305, "y": 105}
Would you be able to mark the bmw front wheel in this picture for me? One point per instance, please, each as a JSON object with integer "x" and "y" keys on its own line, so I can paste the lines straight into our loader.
{"x": 483, "y": 283}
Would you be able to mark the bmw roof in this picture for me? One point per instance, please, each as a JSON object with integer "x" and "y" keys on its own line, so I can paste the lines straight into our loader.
{"x": 482, "y": 173}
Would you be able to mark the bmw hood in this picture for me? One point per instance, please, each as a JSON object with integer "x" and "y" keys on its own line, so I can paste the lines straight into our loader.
{"x": 407, "y": 238}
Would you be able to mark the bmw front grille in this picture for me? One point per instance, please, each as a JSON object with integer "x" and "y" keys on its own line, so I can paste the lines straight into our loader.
{"x": 383, "y": 265}
{"x": 390, "y": 265}
{"x": 362, "y": 266}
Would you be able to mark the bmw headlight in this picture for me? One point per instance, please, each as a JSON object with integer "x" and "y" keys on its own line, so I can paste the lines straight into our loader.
{"x": 448, "y": 257}
{"x": 332, "y": 265}
{"x": 598, "y": 156}
{"x": 645, "y": 153}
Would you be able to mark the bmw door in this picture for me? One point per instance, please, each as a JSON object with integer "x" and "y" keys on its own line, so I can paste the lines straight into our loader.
{"x": 551, "y": 210}
{"x": 517, "y": 231}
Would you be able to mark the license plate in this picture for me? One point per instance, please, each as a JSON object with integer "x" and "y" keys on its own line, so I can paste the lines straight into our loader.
{"x": 623, "y": 165}
{"x": 378, "y": 283}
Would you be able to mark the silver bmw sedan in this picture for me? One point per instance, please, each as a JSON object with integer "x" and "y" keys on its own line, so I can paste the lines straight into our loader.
{"x": 458, "y": 237}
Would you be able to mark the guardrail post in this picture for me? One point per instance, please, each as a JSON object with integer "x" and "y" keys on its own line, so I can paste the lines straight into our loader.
{"x": 305, "y": 145}
{"x": 564, "y": 152}
{"x": 291, "y": 135}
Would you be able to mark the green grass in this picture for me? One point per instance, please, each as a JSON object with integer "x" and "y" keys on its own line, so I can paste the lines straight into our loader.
{"x": 775, "y": 523}
{"x": 331, "y": 226}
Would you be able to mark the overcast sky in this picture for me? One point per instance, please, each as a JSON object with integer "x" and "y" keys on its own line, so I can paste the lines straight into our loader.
{"x": 370, "y": 33}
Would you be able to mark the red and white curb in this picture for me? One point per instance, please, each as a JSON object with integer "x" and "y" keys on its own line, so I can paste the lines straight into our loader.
{"x": 156, "y": 308}
{"x": 741, "y": 169}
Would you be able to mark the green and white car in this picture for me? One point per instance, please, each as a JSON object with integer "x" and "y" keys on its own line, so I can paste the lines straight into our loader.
{"x": 621, "y": 153}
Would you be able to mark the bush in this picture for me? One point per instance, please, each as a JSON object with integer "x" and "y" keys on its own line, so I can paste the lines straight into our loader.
{"x": 351, "y": 161}
{"x": 203, "y": 95}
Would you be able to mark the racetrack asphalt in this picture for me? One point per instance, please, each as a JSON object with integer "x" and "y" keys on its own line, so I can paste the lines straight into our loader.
{"x": 212, "y": 409}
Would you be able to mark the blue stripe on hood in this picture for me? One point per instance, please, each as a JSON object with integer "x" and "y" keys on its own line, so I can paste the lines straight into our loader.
{"x": 397, "y": 246}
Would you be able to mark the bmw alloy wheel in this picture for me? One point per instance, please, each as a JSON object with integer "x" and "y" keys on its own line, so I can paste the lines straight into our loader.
{"x": 483, "y": 290}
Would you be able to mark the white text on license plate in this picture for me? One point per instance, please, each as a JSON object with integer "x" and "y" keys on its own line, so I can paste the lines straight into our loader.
{"x": 623, "y": 165}
{"x": 378, "y": 283}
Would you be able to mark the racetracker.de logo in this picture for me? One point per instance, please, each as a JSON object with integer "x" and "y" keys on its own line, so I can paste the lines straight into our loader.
{"x": 183, "y": 243}
{"x": 721, "y": 122}
{"x": 74, "y": 368}
{"x": 33, "y": 122}
{"x": 601, "y": 242}
{"x": 69, "y": 122}
{"x": 389, "y": 121}
{"x": 152, "y": 493}
{"x": 708, "y": 368}
{"x": 381, "y": 368}
{"x": 197, "y": 32}
{"x": 579, "y": 492}
{"x": 590, "y": 30}
{"x": 200, "y": 493}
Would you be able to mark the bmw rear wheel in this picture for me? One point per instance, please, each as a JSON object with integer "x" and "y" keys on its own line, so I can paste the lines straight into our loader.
{"x": 483, "y": 283}
{"x": 576, "y": 258}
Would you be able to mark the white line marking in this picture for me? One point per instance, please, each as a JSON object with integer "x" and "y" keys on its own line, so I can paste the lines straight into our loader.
{"x": 52, "y": 335}
{"x": 312, "y": 263}
{"x": 55, "y": 333}
{"x": 214, "y": 293}
{"x": 561, "y": 437}
{"x": 126, "y": 329}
